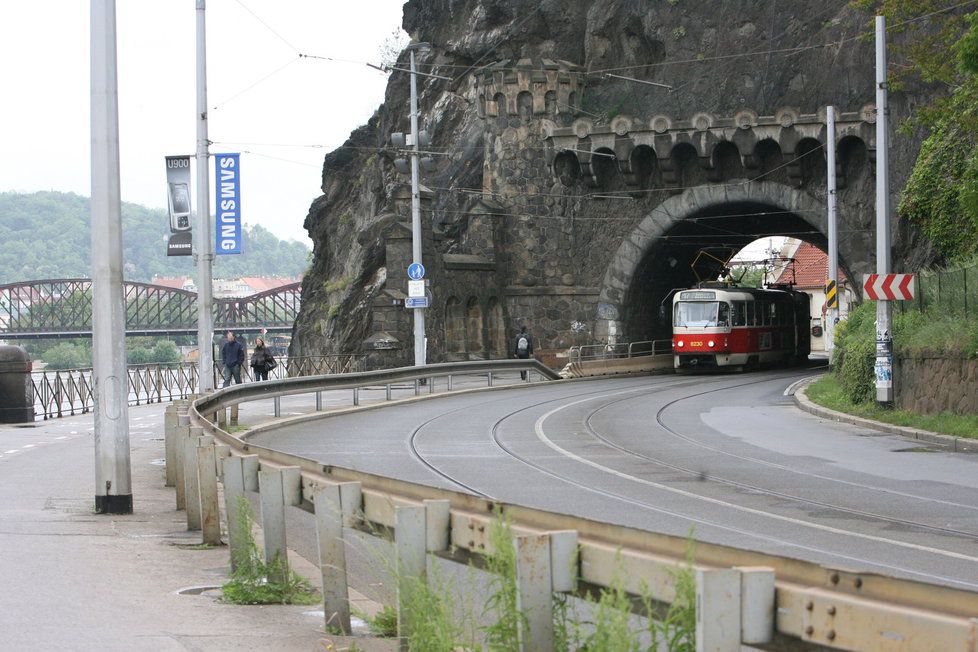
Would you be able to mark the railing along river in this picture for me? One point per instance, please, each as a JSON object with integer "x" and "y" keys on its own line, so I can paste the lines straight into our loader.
{"x": 65, "y": 392}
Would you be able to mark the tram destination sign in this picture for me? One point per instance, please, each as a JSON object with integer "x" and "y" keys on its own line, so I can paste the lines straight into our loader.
{"x": 889, "y": 287}
{"x": 697, "y": 295}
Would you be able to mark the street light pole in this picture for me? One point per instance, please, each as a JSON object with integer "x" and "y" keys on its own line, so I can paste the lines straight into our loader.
{"x": 833, "y": 271}
{"x": 113, "y": 478}
{"x": 884, "y": 331}
{"x": 205, "y": 315}
{"x": 419, "y": 331}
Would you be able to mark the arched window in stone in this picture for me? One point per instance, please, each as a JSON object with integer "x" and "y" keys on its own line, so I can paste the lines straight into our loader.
{"x": 644, "y": 167}
{"x": 524, "y": 105}
{"x": 686, "y": 166}
{"x": 770, "y": 161}
{"x": 482, "y": 105}
{"x": 567, "y": 168}
{"x": 497, "y": 330}
{"x": 502, "y": 115}
{"x": 727, "y": 161}
{"x": 474, "y": 344}
{"x": 550, "y": 102}
{"x": 810, "y": 159}
{"x": 852, "y": 159}
{"x": 605, "y": 166}
{"x": 454, "y": 326}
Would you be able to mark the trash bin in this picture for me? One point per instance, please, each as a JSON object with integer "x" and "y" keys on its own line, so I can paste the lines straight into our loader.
{"x": 16, "y": 393}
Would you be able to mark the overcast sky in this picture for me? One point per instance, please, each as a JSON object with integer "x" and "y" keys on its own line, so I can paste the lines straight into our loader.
{"x": 265, "y": 101}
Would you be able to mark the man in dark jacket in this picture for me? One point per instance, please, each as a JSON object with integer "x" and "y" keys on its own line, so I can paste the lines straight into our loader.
{"x": 524, "y": 347}
{"x": 232, "y": 357}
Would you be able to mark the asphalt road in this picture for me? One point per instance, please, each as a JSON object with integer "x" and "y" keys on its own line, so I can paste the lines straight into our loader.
{"x": 728, "y": 457}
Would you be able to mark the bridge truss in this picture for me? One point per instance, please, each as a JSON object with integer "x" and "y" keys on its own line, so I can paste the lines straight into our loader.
{"x": 60, "y": 308}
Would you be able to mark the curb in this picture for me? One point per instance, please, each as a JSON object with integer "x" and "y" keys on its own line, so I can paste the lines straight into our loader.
{"x": 948, "y": 442}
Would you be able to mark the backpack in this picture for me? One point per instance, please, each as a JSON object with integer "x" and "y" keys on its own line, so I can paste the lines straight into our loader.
{"x": 522, "y": 344}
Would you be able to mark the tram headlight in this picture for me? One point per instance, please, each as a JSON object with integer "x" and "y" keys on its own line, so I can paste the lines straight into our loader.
{"x": 680, "y": 344}
{"x": 710, "y": 343}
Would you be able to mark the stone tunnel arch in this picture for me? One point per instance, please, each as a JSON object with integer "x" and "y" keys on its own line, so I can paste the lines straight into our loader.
{"x": 655, "y": 257}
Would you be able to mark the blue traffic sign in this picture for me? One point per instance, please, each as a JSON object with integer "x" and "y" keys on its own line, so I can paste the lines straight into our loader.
{"x": 415, "y": 271}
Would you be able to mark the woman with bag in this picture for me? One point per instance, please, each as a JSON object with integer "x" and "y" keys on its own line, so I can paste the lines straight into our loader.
{"x": 262, "y": 360}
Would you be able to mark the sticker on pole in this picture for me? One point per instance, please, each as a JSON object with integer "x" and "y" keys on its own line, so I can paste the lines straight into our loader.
{"x": 888, "y": 287}
{"x": 415, "y": 271}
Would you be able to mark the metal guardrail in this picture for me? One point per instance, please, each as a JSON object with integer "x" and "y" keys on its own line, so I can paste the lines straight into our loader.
{"x": 742, "y": 596}
{"x": 66, "y": 392}
{"x": 620, "y": 350}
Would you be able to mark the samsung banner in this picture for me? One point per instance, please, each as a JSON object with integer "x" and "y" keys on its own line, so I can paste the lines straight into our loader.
{"x": 178, "y": 205}
{"x": 227, "y": 192}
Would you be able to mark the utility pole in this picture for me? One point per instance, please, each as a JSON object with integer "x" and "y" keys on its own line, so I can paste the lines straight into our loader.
{"x": 113, "y": 478}
{"x": 832, "y": 287}
{"x": 419, "y": 332}
{"x": 205, "y": 300}
{"x": 884, "y": 332}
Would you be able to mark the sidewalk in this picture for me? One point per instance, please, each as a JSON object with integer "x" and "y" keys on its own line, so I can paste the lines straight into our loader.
{"x": 75, "y": 580}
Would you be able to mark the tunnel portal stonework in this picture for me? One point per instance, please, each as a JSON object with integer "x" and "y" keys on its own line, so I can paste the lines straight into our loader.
{"x": 582, "y": 225}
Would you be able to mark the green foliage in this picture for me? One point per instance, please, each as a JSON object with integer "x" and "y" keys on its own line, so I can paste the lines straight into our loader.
{"x": 384, "y": 623}
{"x": 855, "y": 342}
{"x": 61, "y": 221}
{"x": 612, "y": 630}
{"x": 827, "y": 392}
{"x": 502, "y": 604}
{"x": 427, "y": 618}
{"x": 338, "y": 285}
{"x": 159, "y": 352}
{"x": 677, "y": 630}
{"x": 751, "y": 277}
{"x": 65, "y": 355}
{"x": 254, "y": 582}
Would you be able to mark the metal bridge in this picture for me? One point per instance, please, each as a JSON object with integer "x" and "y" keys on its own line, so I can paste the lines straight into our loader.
{"x": 57, "y": 308}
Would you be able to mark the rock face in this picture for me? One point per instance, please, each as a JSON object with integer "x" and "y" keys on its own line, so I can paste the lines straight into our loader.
{"x": 568, "y": 194}
{"x": 934, "y": 385}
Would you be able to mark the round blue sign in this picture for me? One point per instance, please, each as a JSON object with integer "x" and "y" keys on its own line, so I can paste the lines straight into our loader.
{"x": 415, "y": 271}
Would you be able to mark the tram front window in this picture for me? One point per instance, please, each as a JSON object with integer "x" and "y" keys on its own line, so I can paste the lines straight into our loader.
{"x": 701, "y": 314}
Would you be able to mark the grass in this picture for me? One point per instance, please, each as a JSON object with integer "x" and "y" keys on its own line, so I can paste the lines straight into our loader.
{"x": 252, "y": 580}
{"x": 195, "y": 546}
{"x": 827, "y": 392}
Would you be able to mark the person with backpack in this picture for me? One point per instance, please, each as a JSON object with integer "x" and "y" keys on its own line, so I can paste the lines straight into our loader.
{"x": 262, "y": 360}
{"x": 524, "y": 347}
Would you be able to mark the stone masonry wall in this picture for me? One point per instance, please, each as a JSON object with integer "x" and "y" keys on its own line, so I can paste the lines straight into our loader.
{"x": 932, "y": 385}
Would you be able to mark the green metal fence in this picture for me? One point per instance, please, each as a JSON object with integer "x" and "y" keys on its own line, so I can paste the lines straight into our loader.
{"x": 952, "y": 292}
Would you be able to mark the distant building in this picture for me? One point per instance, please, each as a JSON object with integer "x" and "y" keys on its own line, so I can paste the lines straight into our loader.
{"x": 228, "y": 288}
{"x": 808, "y": 271}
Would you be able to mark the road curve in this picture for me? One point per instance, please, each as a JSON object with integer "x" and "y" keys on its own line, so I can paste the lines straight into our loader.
{"x": 728, "y": 457}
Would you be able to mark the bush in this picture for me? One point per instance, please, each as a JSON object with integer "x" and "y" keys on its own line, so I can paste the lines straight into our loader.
{"x": 855, "y": 342}
{"x": 68, "y": 356}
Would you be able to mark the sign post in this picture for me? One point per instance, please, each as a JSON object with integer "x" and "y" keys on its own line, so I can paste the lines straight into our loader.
{"x": 884, "y": 333}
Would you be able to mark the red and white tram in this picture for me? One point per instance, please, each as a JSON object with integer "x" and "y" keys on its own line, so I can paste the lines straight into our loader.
{"x": 724, "y": 326}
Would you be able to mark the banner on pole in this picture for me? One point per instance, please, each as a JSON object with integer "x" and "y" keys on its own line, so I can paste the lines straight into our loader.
{"x": 227, "y": 194}
{"x": 178, "y": 205}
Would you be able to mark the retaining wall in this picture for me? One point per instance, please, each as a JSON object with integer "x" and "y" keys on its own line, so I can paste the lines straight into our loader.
{"x": 932, "y": 385}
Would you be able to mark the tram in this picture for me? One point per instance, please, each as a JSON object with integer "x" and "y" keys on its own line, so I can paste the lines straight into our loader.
{"x": 725, "y": 326}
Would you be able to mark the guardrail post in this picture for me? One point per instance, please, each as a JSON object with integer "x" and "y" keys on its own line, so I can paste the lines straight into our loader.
{"x": 490, "y": 379}
{"x": 221, "y": 451}
{"x": 277, "y": 403}
{"x": 534, "y": 594}
{"x": 250, "y": 464}
{"x": 190, "y": 479}
{"x": 169, "y": 452}
{"x": 273, "y": 523}
{"x": 563, "y": 560}
{"x": 234, "y": 414}
{"x": 438, "y": 523}
{"x": 526, "y": 376}
{"x": 718, "y": 610}
{"x": 756, "y": 604}
{"x": 332, "y": 557}
{"x": 411, "y": 563}
{"x": 292, "y": 485}
{"x": 234, "y": 494}
{"x": 356, "y": 396}
{"x": 181, "y": 433}
{"x": 210, "y": 508}
{"x": 449, "y": 382}
{"x": 417, "y": 387}
{"x": 388, "y": 391}
{"x": 351, "y": 499}
{"x": 431, "y": 384}
{"x": 319, "y": 401}
{"x": 222, "y": 418}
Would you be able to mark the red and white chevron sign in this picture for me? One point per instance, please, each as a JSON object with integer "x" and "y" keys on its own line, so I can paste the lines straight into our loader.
{"x": 888, "y": 287}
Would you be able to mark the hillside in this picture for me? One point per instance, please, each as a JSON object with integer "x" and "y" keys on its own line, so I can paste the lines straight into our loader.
{"x": 46, "y": 235}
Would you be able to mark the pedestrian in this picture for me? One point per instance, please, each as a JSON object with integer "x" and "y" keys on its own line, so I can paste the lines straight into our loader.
{"x": 524, "y": 347}
{"x": 262, "y": 360}
{"x": 232, "y": 357}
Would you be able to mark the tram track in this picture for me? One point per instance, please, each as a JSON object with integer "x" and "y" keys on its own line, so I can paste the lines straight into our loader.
{"x": 500, "y": 444}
